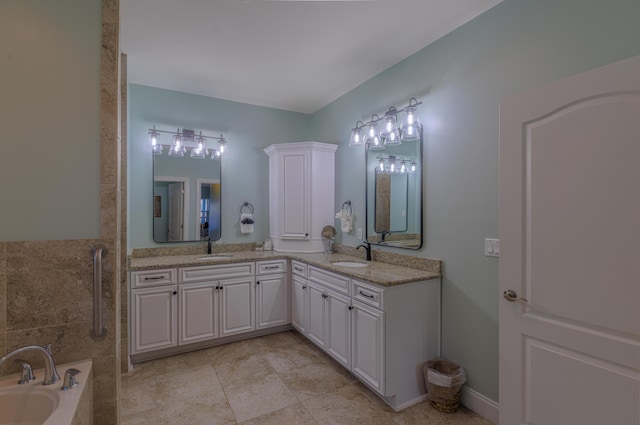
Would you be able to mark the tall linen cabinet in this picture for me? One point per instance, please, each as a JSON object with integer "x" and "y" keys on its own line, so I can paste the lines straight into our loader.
{"x": 301, "y": 194}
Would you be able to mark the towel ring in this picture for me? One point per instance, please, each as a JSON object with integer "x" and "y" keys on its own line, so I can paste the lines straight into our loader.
{"x": 246, "y": 205}
{"x": 348, "y": 204}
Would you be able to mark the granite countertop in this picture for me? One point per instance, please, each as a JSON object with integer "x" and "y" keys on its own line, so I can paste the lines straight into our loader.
{"x": 377, "y": 272}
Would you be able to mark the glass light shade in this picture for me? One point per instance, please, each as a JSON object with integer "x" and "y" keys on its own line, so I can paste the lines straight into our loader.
{"x": 177, "y": 148}
{"x": 222, "y": 146}
{"x": 356, "y": 137}
{"x": 199, "y": 150}
{"x": 156, "y": 147}
{"x": 389, "y": 124}
{"x": 381, "y": 165}
{"x": 372, "y": 139}
{"x": 392, "y": 164}
{"x": 215, "y": 154}
{"x": 393, "y": 138}
{"x": 410, "y": 127}
{"x": 403, "y": 166}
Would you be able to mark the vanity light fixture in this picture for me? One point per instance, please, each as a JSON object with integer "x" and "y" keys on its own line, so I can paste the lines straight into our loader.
{"x": 187, "y": 140}
{"x": 395, "y": 165}
{"x": 389, "y": 132}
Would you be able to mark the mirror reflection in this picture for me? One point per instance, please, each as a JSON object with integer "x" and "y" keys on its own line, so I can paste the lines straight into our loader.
{"x": 186, "y": 195}
{"x": 394, "y": 195}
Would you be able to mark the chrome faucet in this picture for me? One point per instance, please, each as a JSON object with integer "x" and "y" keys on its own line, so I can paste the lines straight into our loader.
{"x": 50, "y": 373}
{"x": 209, "y": 241}
{"x": 366, "y": 245}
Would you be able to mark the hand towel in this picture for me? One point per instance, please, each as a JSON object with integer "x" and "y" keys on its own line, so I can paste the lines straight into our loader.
{"x": 346, "y": 221}
{"x": 246, "y": 223}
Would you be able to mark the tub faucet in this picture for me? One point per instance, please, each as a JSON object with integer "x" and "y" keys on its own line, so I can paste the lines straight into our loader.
{"x": 367, "y": 246}
{"x": 50, "y": 373}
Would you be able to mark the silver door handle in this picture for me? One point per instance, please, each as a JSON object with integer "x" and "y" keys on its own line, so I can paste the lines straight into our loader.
{"x": 512, "y": 296}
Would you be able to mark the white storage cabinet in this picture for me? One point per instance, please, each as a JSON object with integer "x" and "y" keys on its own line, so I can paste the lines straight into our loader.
{"x": 272, "y": 294}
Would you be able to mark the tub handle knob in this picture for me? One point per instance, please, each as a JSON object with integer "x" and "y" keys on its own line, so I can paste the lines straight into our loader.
{"x": 27, "y": 372}
{"x": 70, "y": 380}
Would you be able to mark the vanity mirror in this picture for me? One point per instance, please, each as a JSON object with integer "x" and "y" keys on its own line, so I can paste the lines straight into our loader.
{"x": 394, "y": 194}
{"x": 186, "y": 194}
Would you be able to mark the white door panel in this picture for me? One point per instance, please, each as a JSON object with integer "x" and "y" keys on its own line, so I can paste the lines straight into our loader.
{"x": 570, "y": 232}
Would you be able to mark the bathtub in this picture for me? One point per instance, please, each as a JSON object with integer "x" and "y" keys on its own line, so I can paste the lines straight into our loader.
{"x": 37, "y": 404}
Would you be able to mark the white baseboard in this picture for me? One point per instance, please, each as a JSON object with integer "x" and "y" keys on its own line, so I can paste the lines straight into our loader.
{"x": 480, "y": 404}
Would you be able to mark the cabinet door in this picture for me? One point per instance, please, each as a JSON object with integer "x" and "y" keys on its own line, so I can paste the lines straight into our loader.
{"x": 154, "y": 321}
{"x": 272, "y": 301}
{"x": 294, "y": 180}
{"x": 237, "y": 305}
{"x": 299, "y": 304}
{"x": 317, "y": 317}
{"x": 367, "y": 356}
{"x": 198, "y": 312}
{"x": 338, "y": 328}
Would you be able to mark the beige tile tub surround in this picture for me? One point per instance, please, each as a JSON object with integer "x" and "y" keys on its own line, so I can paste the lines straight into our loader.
{"x": 272, "y": 380}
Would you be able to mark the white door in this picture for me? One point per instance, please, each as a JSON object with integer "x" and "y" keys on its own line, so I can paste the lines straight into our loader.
{"x": 299, "y": 304}
{"x": 338, "y": 328}
{"x": 237, "y": 305}
{"x": 367, "y": 350}
{"x": 316, "y": 320}
{"x": 176, "y": 211}
{"x": 272, "y": 301}
{"x": 295, "y": 195}
{"x": 198, "y": 312}
{"x": 570, "y": 242}
{"x": 154, "y": 314}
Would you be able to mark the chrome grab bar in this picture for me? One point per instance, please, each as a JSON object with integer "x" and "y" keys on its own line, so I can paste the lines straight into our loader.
{"x": 98, "y": 330}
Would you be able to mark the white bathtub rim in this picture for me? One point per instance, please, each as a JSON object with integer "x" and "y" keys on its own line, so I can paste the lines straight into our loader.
{"x": 69, "y": 400}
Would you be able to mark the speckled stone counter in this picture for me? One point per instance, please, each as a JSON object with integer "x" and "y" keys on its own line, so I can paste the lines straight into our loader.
{"x": 378, "y": 272}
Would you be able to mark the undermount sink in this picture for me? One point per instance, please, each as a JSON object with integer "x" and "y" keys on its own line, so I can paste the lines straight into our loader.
{"x": 349, "y": 264}
{"x": 214, "y": 257}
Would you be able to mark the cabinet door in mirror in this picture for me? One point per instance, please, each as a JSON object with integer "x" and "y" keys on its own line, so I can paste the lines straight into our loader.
{"x": 394, "y": 195}
{"x": 186, "y": 195}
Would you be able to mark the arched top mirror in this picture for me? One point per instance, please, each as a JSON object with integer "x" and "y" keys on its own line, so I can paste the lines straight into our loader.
{"x": 394, "y": 195}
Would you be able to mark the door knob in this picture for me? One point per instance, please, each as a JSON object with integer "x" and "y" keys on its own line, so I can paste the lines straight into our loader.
{"x": 512, "y": 296}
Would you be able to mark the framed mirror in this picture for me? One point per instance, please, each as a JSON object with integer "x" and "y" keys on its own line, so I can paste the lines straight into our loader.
{"x": 186, "y": 199}
{"x": 394, "y": 195}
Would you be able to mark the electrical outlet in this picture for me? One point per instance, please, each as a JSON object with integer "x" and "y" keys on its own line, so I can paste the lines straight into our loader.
{"x": 359, "y": 232}
{"x": 492, "y": 247}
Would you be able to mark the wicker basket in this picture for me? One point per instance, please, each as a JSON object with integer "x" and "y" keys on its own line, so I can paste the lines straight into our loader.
{"x": 444, "y": 380}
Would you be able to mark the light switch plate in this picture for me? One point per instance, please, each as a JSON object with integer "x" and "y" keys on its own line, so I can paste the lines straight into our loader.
{"x": 492, "y": 247}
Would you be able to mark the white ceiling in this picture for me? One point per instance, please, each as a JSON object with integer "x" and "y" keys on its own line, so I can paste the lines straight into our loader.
{"x": 292, "y": 55}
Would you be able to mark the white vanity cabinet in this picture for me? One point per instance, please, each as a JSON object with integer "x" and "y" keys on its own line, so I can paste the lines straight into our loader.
{"x": 226, "y": 306}
{"x": 382, "y": 334}
{"x": 329, "y": 321}
{"x": 301, "y": 194}
{"x": 154, "y": 310}
{"x": 272, "y": 294}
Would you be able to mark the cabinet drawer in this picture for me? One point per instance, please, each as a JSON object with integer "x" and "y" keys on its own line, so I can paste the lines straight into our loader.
{"x": 271, "y": 267}
{"x": 220, "y": 271}
{"x": 298, "y": 268}
{"x": 146, "y": 278}
{"x": 367, "y": 294}
{"x": 330, "y": 280}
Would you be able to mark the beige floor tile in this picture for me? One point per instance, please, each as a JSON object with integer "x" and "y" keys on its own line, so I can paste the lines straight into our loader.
{"x": 291, "y": 356}
{"x": 296, "y": 414}
{"x": 196, "y": 409}
{"x": 259, "y": 397}
{"x": 346, "y": 406}
{"x": 312, "y": 380}
{"x": 145, "y": 417}
{"x": 247, "y": 368}
{"x": 195, "y": 380}
{"x": 137, "y": 398}
{"x": 280, "y": 339}
{"x": 232, "y": 351}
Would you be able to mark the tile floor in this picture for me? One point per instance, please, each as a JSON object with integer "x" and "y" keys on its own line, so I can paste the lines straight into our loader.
{"x": 279, "y": 379}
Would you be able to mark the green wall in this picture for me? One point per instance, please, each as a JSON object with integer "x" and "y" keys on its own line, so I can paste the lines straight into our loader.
{"x": 460, "y": 80}
{"x": 50, "y": 119}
